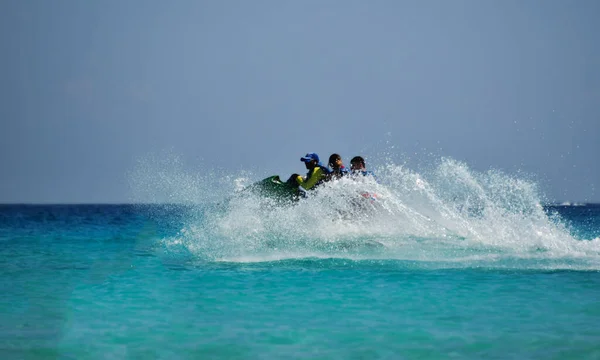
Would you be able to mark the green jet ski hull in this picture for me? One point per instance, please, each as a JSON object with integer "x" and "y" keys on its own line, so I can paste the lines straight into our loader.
{"x": 272, "y": 187}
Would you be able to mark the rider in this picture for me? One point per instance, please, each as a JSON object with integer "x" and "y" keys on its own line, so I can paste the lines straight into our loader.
{"x": 337, "y": 167}
{"x": 357, "y": 166}
{"x": 317, "y": 173}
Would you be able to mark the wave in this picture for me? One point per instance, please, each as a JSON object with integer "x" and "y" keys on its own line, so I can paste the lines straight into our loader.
{"x": 568, "y": 203}
{"x": 449, "y": 216}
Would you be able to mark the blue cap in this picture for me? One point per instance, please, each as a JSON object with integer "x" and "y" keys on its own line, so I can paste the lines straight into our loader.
{"x": 310, "y": 157}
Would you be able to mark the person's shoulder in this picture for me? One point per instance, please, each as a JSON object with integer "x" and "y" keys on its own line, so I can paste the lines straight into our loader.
{"x": 324, "y": 170}
{"x": 370, "y": 174}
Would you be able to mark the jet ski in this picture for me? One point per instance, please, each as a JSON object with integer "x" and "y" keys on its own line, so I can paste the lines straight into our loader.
{"x": 274, "y": 188}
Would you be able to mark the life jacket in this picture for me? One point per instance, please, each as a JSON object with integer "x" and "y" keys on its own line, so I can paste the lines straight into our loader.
{"x": 363, "y": 173}
{"x": 314, "y": 177}
{"x": 342, "y": 171}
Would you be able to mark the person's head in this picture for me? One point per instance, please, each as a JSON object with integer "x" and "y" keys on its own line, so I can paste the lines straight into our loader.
{"x": 310, "y": 160}
{"x": 357, "y": 163}
{"x": 335, "y": 161}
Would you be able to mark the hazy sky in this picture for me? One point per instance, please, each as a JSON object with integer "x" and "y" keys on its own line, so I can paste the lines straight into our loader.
{"x": 90, "y": 87}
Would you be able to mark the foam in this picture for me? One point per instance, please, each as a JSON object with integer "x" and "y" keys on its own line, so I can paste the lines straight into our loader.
{"x": 449, "y": 214}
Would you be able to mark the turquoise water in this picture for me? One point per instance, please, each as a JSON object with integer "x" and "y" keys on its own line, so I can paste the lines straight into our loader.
{"x": 467, "y": 266}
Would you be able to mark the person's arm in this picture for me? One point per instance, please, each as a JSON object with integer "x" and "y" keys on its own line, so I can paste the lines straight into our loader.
{"x": 314, "y": 178}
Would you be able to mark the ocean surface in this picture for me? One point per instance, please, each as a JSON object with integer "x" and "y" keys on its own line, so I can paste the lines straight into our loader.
{"x": 449, "y": 264}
